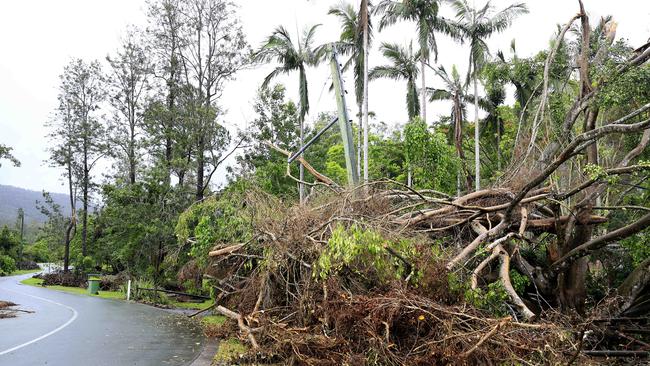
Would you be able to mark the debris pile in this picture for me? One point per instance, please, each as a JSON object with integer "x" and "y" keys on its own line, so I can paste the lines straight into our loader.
{"x": 363, "y": 277}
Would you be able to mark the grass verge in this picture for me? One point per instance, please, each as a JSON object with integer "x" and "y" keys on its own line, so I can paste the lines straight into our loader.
{"x": 193, "y": 305}
{"x": 75, "y": 290}
{"x": 229, "y": 350}
{"x": 24, "y": 271}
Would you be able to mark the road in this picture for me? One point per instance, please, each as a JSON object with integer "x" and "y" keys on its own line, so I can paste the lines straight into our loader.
{"x": 68, "y": 329}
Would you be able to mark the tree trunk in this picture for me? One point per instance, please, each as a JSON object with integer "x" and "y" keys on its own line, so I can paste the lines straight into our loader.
{"x": 423, "y": 91}
{"x": 132, "y": 155}
{"x": 458, "y": 141}
{"x": 84, "y": 222}
{"x": 69, "y": 233}
{"x": 301, "y": 186}
{"x": 360, "y": 141}
{"x": 200, "y": 168}
{"x": 366, "y": 156}
{"x": 477, "y": 134}
{"x": 499, "y": 157}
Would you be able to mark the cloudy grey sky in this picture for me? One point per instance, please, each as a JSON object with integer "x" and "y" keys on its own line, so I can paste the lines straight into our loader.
{"x": 38, "y": 37}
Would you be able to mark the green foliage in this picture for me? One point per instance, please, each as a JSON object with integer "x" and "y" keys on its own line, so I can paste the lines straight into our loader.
{"x": 5, "y": 153}
{"x": 134, "y": 230}
{"x": 87, "y": 264}
{"x": 7, "y": 265}
{"x": 9, "y": 242}
{"x": 360, "y": 249}
{"x": 491, "y": 299}
{"x": 277, "y": 122}
{"x": 519, "y": 281}
{"x": 221, "y": 218}
{"x": 433, "y": 162}
{"x": 38, "y": 252}
{"x": 638, "y": 247}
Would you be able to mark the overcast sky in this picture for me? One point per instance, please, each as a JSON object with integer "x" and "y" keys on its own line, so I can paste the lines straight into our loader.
{"x": 39, "y": 37}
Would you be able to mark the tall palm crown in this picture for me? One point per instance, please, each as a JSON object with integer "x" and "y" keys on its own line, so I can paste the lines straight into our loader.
{"x": 424, "y": 13}
{"x": 351, "y": 42}
{"x": 291, "y": 57}
{"x": 477, "y": 25}
{"x": 403, "y": 66}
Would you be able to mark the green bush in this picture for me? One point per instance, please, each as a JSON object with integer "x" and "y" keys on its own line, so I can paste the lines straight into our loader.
{"x": 38, "y": 252}
{"x": 364, "y": 249}
{"x": 7, "y": 265}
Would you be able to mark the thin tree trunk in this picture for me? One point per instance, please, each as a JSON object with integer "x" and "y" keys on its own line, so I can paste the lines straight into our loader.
{"x": 84, "y": 222}
{"x": 200, "y": 168}
{"x": 72, "y": 224}
{"x": 423, "y": 92}
{"x": 132, "y": 155}
{"x": 477, "y": 134}
{"x": 360, "y": 142}
{"x": 499, "y": 157}
{"x": 365, "y": 100}
{"x": 301, "y": 186}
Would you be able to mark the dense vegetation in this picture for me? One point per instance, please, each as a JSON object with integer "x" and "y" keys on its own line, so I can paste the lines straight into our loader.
{"x": 555, "y": 183}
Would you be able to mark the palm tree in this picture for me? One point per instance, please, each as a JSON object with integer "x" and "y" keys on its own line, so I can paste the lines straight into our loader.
{"x": 404, "y": 66}
{"x": 353, "y": 42}
{"x": 455, "y": 92}
{"x": 476, "y": 26}
{"x": 290, "y": 56}
{"x": 424, "y": 13}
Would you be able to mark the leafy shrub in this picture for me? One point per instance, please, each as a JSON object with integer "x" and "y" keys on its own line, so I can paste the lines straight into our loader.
{"x": 38, "y": 252}
{"x": 491, "y": 299}
{"x": 366, "y": 249}
{"x": 7, "y": 265}
{"x": 87, "y": 264}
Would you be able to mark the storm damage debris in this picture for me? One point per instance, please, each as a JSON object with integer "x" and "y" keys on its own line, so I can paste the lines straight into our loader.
{"x": 8, "y": 310}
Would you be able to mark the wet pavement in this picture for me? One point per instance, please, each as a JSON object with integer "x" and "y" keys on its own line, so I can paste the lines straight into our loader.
{"x": 68, "y": 329}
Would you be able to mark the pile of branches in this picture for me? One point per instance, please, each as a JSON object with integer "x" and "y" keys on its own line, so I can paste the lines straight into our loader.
{"x": 61, "y": 278}
{"x": 8, "y": 309}
{"x": 273, "y": 287}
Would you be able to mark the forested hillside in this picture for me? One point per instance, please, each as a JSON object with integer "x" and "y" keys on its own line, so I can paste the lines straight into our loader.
{"x": 14, "y": 198}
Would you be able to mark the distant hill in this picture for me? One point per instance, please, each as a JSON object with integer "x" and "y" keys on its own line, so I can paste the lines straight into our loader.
{"x": 13, "y": 198}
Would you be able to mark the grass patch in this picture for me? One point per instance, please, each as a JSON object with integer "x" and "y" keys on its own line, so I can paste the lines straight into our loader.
{"x": 75, "y": 290}
{"x": 214, "y": 320}
{"x": 229, "y": 350}
{"x": 193, "y": 305}
{"x": 24, "y": 271}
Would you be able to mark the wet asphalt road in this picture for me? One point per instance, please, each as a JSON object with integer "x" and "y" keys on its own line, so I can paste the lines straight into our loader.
{"x": 68, "y": 329}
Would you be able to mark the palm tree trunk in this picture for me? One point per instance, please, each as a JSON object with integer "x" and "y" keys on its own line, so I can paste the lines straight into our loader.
{"x": 365, "y": 101}
{"x": 423, "y": 91}
{"x": 301, "y": 186}
{"x": 360, "y": 141}
{"x": 477, "y": 153}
